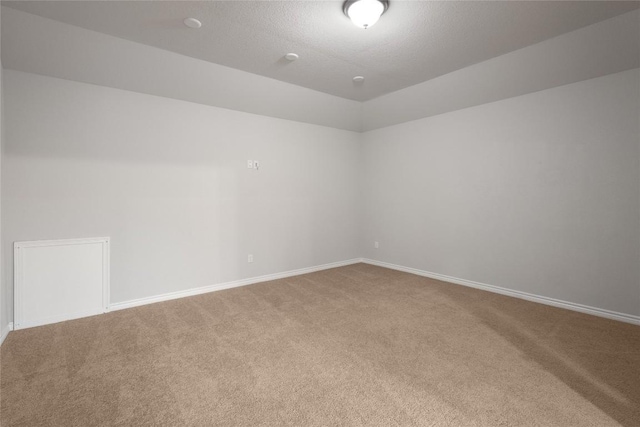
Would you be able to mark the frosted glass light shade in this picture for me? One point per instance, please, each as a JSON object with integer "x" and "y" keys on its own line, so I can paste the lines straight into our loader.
{"x": 365, "y": 13}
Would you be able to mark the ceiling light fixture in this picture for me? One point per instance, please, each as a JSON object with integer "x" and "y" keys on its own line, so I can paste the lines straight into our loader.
{"x": 291, "y": 56}
{"x": 358, "y": 79}
{"x": 192, "y": 23}
{"x": 365, "y": 13}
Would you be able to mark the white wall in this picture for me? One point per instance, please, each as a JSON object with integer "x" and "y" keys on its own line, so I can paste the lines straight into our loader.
{"x": 537, "y": 193}
{"x": 5, "y": 298}
{"x": 167, "y": 180}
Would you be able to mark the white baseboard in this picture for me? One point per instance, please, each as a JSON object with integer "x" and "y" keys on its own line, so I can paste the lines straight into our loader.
{"x": 628, "y": 318}
{"x": 227, "y": 285}
{"x": 5, "y": 332}
{"x": 55, "y": 319}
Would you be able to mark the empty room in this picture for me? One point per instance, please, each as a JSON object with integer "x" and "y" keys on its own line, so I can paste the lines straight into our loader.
{"x": 320, "y": 213}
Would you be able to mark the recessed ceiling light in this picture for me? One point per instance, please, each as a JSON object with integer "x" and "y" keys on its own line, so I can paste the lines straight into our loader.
{"x": 358, "y": 79}
{"x": 192, "y": 23}
{"x": 291, "y": 56}
{"x": 365, "y": 13}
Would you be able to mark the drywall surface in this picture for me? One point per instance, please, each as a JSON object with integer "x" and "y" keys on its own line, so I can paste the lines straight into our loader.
{"x": 168, "y": 181}
{"x": 43, "y": 46}
{"x": 537, "y": 193}
{"x": 414, "y": 42}
{"x": 47, "y": 47}
{"x": 5, "y": 298}
{"x": 603, "y": 48}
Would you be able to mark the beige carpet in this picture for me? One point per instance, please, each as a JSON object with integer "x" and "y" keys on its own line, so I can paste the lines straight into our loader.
{"x": 353, "y": 346}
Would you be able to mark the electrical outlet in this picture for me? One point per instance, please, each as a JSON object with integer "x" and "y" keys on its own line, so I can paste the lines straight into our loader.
{"x": 249, "y": 164}
{"x": 250, "y": 258}
{"x": 376, "y": 245}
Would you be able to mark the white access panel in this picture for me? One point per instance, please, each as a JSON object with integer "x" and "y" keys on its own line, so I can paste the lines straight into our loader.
{"x": 56, "y": 280}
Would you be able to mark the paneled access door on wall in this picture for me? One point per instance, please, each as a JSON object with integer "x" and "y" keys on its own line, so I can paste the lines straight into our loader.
{"x": 56, "y": 280}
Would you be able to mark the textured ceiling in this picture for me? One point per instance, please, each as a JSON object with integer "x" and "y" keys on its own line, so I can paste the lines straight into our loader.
{"x": 413, "y": 42}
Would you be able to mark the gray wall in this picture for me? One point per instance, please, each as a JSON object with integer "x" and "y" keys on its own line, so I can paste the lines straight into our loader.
{"x": 167, "y": 180}
{"x": 6, "y": 300}
{"x": 537, "y": 193}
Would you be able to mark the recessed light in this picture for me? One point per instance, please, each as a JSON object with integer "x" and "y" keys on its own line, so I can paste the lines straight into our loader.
{"x": 358, "y": 79}
{"x": 192, "y": 23}
{"x": 291, "y": 56}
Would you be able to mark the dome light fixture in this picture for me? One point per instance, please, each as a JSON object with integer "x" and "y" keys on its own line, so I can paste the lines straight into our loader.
{"x": 365, "y": 13}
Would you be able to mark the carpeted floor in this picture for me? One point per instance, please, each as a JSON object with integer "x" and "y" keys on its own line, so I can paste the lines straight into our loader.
{"x": 353, "y": 346}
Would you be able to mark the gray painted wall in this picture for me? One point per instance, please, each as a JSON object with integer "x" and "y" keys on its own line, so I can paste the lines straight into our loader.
{"x": 537, "y": 193}
{"x": 167, "y": 180}
{"x": 6, "y": 300}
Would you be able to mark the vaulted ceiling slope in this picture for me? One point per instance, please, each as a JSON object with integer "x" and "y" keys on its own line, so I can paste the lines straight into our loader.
{"x": 415, "y": 41}
{"x": 44, "y": 46}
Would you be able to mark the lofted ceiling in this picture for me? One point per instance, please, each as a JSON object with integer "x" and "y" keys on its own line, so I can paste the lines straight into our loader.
{"x": 413, "y": 42}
